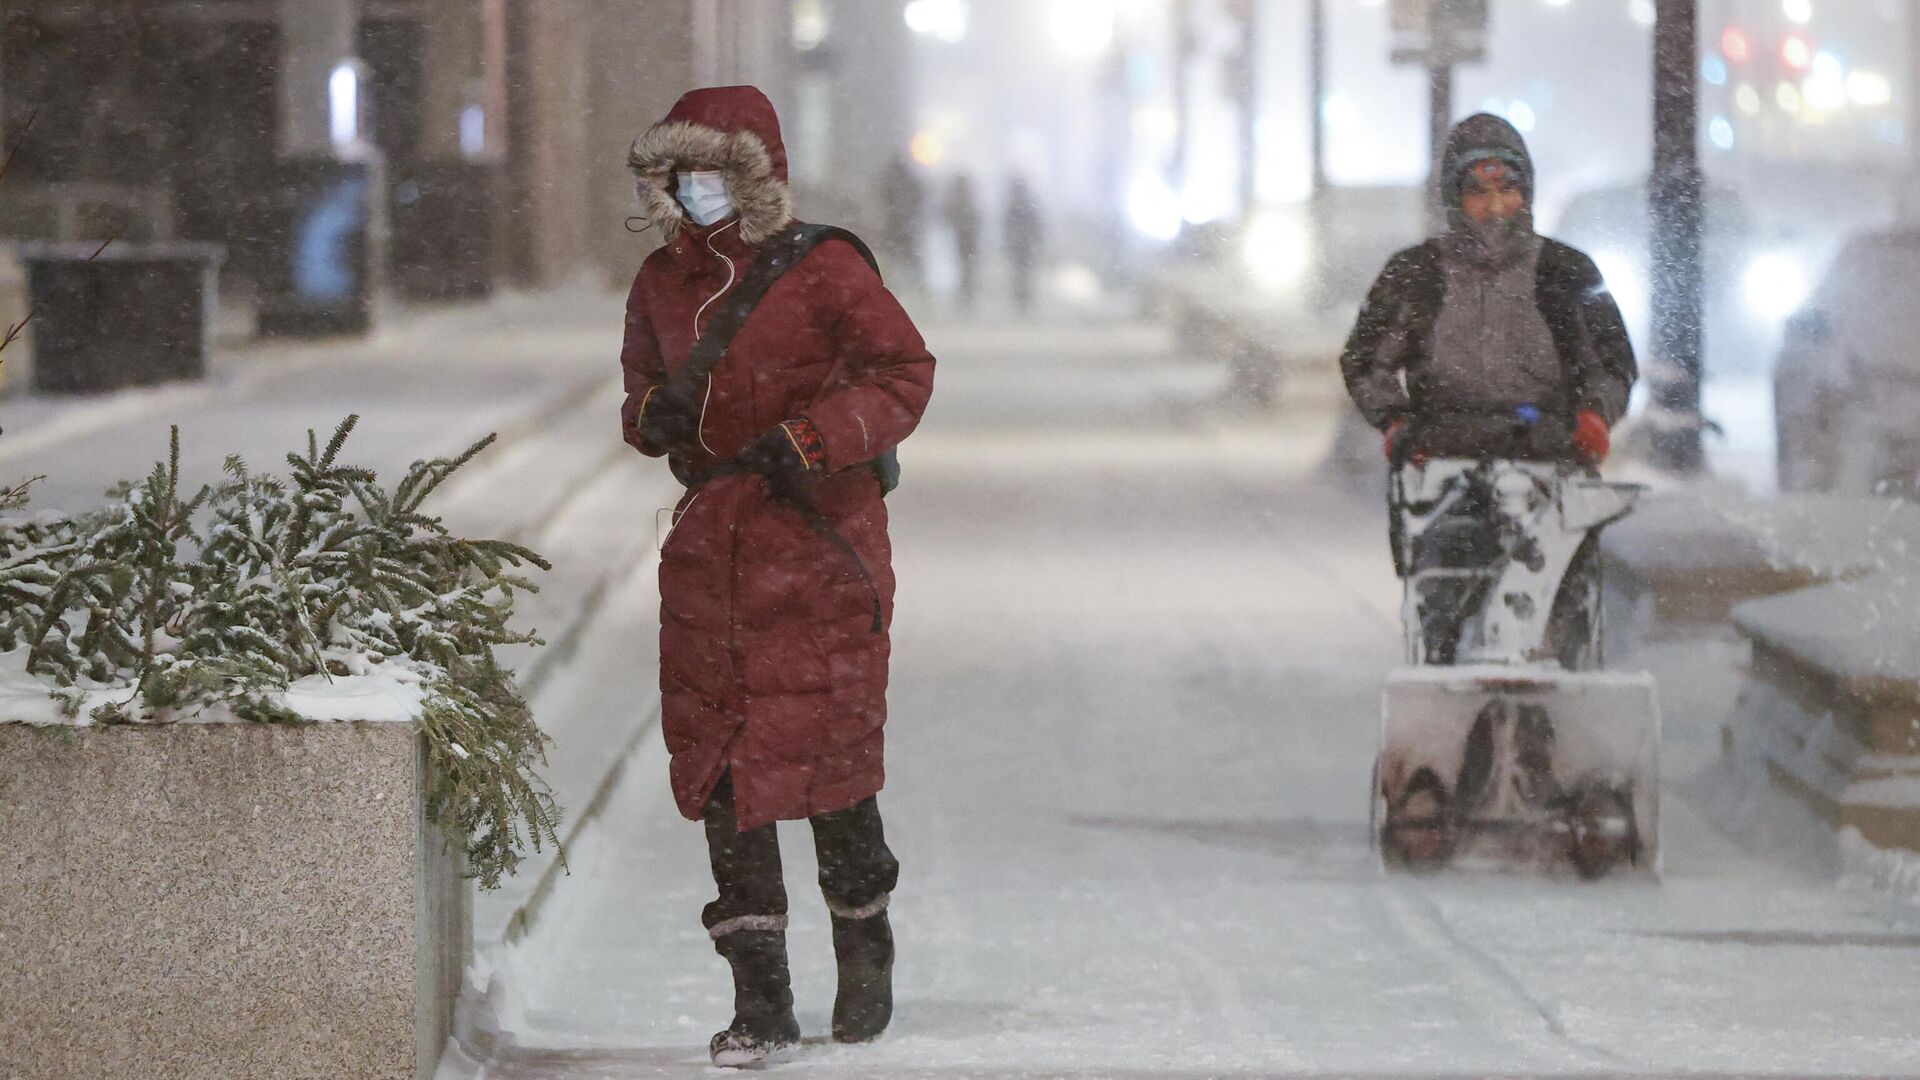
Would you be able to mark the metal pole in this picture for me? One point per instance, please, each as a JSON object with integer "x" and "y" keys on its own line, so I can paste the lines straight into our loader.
{"x": 1185, "y": 44}
{"x": 1247, "y": 90}
{"x": 1317, "y": 230}
{"x": 1677, "y": 214}
{"x": 1317, "y": 94}
{"x": 1913, "y": 100}
{"x": 1440, "y": 110}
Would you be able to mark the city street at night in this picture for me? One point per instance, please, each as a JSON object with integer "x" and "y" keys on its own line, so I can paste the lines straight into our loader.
{"x": 959, "y": 539}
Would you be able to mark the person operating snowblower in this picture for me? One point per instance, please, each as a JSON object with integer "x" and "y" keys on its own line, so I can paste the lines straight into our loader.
{"x": 1494, "y": 363}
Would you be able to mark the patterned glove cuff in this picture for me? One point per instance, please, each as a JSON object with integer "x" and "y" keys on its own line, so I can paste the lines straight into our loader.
{"x": 806, "y": 442}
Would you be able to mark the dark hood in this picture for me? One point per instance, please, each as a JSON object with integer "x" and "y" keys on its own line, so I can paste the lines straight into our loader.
{"x": 1475, "y": 139}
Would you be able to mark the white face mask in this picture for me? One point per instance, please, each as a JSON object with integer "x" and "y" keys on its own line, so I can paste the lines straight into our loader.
{"x": 704, "y": 195}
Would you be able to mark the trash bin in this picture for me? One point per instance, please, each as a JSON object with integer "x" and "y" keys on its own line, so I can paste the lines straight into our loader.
{"x": 445, "y": 223}
{"x": 321, "y": 236}
{"x": 137, "y": 314}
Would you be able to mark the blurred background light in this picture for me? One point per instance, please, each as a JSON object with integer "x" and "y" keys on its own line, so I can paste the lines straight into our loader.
{"x": 1153, "y": 208}
{"x": 1278, "y": 251}
{"x": 943, "y": 20}
{"x": 473, "y": 131}
{"x": 928, "y": 148}
{"x": 1776, "y": 284}
{"x": 810, "y": 24}
{"x": 1737, "y": 45}
{"x": 343, "y": 105}
{"x": 1625, "y": 281}
{"x": 1869, "y": 88}
{"x": 1826, "y": 86}
{"x": 1796, "y": 52}
{"x": 1081, "y": 28}
{"x": 1720, "y": 132}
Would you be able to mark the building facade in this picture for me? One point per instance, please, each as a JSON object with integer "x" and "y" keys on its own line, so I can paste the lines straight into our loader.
{"x": 463, "y": 143}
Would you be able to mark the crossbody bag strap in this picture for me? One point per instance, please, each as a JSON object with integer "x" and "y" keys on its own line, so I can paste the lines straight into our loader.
{"x": 777, "y": 256}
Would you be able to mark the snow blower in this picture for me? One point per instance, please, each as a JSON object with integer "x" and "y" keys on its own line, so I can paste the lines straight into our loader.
{"x": 1504, "y": 745}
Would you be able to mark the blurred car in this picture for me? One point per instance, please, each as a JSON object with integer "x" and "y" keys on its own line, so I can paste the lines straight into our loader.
{"x": 1751, "y": 286}
{"x": 1846, "y": 386}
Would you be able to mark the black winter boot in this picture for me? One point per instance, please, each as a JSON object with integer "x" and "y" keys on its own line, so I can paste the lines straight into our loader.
{"x": 763, "y": 1024}
{"x": 864, "y": 1003}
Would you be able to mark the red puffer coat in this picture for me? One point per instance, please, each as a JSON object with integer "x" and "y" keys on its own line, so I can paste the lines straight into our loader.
{"x": 769, "y": 662}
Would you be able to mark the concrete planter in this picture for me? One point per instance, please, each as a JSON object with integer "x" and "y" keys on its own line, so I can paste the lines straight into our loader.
{"x": 1837, "y": 723}
{"x": 1677, "y": 568}
{"x": 1681, "y": 563}
{"x": 223, "y": 900}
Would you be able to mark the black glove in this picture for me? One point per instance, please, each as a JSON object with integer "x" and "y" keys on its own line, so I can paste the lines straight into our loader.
{"x": 778, "y": 456}
{"x": 666, "y": 423}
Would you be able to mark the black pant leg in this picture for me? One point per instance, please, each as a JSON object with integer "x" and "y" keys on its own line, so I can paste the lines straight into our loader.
{"x": 746, "y": 869}
{"x": 857, "y": 871}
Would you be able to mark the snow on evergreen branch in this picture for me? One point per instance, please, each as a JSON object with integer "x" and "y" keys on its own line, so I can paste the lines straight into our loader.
{"x": 228, "y": 597}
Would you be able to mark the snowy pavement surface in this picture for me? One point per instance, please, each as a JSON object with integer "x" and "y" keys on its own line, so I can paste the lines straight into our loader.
{"x": 427, "y": 383}
{"x": 1139, "y": 647}
{"x": 1138, "y": 657}
{"x": 1137, "y": 664}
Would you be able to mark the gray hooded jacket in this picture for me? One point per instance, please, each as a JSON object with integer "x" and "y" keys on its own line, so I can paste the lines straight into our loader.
{"x": 1489, "y": 341}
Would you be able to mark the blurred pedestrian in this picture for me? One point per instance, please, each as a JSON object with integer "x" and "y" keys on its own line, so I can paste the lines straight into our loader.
{"x": 777, "y": 398}
{"x": 963, "y": 218}
{"x": 1024, "y": 235}
{"x": 902, "y": 204}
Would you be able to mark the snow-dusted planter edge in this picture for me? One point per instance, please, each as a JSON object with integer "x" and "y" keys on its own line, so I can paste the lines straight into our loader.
{"x": 1832, "y": 706}
{"x": 1685, "y": 559}
{"x": 225, "y": 899}
{"x": 1883, "y": 870}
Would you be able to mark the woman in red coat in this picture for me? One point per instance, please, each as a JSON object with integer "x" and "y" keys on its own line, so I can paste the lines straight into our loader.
{"x": 775, "y": 584}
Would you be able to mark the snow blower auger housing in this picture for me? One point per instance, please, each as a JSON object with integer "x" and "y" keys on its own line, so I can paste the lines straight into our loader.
{"x": 1503, "y": 745}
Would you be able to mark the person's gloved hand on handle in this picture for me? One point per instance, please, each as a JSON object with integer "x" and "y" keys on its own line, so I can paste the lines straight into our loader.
{"x": 1591, "y": 438}
{"x": 1396, "y": 431}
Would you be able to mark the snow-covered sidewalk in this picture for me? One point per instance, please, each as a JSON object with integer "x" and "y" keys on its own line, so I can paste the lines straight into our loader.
{"x": 425, "y": 383}
{"x": 1136, "y": 698}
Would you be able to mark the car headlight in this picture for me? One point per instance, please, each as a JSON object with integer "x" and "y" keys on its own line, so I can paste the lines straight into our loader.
{"x": 1776, "y": 285}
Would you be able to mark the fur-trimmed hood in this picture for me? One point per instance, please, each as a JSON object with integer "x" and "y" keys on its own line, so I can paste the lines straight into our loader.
{"x": 729, "y": 128}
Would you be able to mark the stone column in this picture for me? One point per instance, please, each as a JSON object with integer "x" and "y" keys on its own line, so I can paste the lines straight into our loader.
{"x": 642, "y": 63}
{"x": 447, "y": 203}
{"x": 461, "y": 82}
{"x": 321, "y": 235}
